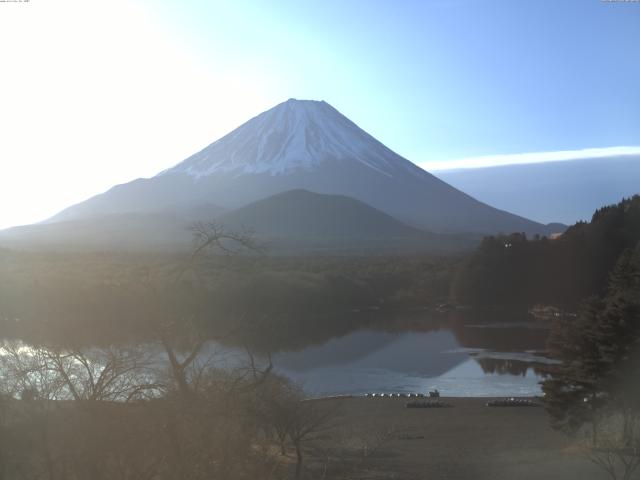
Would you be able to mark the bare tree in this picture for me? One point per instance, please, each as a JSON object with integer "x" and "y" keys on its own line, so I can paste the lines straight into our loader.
{"x": 309, "y": 420}
{"x": 213, "y": 236}
{"x": 80, "y": 415}
{"x": 182, "y": 350}
{"x": 210, "y": 237}
{"x": 615, "y": 448}
{"x": 102, "y": 374}
{"x": 282, "y": 410}
{"x": 71, "y": 402}
{"x": 81, "y": 374}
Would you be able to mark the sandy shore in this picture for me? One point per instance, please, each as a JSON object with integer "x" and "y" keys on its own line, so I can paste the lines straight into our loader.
{"x": 467, "y": 441}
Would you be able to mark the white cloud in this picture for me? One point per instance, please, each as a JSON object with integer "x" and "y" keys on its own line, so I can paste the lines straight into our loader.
{"x": 534, "y": 157}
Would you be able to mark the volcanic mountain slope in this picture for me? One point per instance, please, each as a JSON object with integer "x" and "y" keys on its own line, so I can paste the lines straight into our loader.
{"x": 118, "y": 231}
{"x": 304, "y": 214}
{"x": 301, "y": 220}
{"x": 302, "y": 144}
{"x": 565, "y": 191}
{"x": 293, "y": 222}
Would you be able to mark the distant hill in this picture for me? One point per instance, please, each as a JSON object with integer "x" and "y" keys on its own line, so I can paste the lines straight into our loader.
{"x": 304, "y": 214}
{"x": 563, "y": 191}
{"x": 305, "y": 144}
{"x": 299, "y": 219}
{"x": 296, "y": 221}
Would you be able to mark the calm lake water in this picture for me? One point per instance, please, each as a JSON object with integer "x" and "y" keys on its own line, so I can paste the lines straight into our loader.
{"x": 458, "y": 359}
{"x": 479, "y": 361}
{"x": 373, "y": 361}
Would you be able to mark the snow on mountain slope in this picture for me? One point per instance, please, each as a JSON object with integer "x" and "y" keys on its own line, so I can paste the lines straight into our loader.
{"x": 304, "y": 144}
{"x": 295, "y": 135}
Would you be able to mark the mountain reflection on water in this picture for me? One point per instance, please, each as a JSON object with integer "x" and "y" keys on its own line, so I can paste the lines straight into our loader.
{"x": 357, "y": 354}
{"x": 462, "y": 360}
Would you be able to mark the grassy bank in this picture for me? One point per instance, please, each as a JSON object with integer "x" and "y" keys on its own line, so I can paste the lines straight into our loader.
{"x": 467, "y": 441}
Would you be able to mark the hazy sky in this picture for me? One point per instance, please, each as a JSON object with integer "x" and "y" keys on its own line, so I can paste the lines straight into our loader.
{"x": 95, "y": 93}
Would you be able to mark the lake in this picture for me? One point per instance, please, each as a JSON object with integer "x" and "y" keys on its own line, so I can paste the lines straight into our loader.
{"x": 466, "y": 360}
{"x": 460, "y": 359}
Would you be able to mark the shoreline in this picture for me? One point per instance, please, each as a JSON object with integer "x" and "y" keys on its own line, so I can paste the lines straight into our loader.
{"x": 402, "y": 396}
{"x": 469, "y": 440}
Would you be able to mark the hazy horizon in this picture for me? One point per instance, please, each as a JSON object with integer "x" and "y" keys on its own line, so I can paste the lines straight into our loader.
{"x": 127, "y": 89}
{"x": 298, "y": 240}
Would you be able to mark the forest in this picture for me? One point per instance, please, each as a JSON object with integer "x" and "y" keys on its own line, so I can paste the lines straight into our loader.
{"x": 105, "y": 297}
{"x": 591, "y": 276}
{"x": 518, "y": 272}
{"x": 116, "y": 381}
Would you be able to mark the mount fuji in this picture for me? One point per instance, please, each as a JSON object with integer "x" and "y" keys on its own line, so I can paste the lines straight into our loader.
{"x": 299, "y": 145}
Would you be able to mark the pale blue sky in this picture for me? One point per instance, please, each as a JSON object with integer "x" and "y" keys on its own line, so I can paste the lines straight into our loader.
{"x": 99, "y": 93}
{"x": 441, "y": 79}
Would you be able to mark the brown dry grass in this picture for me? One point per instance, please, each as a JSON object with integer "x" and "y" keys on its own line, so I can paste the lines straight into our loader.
{"x": 467, "y": 441}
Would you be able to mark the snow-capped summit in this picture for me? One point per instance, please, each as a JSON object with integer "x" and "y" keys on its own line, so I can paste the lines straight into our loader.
{"x": 303, "y": 144}
{"x": 294, "y": 135}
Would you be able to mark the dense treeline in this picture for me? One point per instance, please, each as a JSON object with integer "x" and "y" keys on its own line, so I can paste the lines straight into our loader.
{"x": 600, "y": 350}
{"x": 595, "y": 392}
{"x": 594, "y": 269}
{"x": 119, "y": 379}
{"x": 515, "y": 271}
{"x": 114, "y": 297}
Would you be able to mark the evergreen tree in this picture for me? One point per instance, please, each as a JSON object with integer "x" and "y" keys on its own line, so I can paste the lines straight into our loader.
{"x": 599, "y": 351}
{"x": 596, "y": 389}
{"x": 515, "y": 271}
